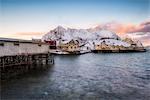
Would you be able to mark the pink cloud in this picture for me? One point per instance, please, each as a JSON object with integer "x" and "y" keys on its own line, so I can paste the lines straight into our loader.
{"x": 126, "y": 28}
{"x": 143, "y": 27}
{"x": 133, "y": 30}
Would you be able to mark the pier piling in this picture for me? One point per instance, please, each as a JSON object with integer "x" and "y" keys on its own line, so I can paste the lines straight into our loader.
{"x": 17, "y": 64}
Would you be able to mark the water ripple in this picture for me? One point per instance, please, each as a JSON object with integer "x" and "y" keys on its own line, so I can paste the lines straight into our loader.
{"x": 87, "y": 77}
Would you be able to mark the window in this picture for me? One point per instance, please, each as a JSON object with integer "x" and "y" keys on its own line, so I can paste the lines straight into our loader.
{"x": 52, "y": 47}
{"x": 16, "y": 43}
{"x": 1, "y": 44}
{"x": 39, "y": 45}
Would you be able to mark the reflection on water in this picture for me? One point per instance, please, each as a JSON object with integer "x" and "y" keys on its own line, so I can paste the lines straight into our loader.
{"x": 123, "y": 76}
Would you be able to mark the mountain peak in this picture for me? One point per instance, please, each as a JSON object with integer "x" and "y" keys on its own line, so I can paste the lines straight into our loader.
{"x": 60, "y": 27}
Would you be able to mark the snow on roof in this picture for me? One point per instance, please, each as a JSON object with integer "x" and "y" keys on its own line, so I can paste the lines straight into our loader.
{"x": 65, "y": 42}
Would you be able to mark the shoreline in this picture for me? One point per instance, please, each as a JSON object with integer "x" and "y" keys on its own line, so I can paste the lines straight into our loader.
{"x": 56, "y": 52}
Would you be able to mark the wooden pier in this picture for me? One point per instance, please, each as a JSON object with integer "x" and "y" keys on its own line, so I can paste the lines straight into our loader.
{"x": 17, "y": 64}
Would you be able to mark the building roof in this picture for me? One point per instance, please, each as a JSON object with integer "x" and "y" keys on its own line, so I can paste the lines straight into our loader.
{"x": 19, "y": 40}
{"x": 13, "y": 40}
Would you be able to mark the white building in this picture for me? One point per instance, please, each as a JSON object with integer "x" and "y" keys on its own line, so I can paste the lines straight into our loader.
{"x": 16, "y": 46}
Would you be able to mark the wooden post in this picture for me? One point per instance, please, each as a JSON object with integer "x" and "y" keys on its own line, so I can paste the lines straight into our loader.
{"x": 50, "y": 59}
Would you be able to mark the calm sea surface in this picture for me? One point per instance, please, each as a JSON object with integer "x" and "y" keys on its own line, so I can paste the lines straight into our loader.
{"x": 107, "y": 76}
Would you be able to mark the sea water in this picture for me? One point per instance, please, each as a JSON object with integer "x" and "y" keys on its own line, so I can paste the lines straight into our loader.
{"x": 101, "y": 76}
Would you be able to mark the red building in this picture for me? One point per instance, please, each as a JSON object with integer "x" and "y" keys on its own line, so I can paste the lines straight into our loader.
{"x": 51, "y": 43}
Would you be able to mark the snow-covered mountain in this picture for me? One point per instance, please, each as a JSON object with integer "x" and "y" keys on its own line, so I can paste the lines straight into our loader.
{"x": 88, "y": 37}
{"x": 61, "y": 33}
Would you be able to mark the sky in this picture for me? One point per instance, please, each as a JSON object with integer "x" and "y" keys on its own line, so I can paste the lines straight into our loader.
{"x": 29, "y": 18}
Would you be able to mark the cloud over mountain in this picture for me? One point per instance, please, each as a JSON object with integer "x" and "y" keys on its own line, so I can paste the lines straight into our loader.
{"x": 143, "y": 27}
{"x": 125, "y": 28}
{"x": 140, "y": 32}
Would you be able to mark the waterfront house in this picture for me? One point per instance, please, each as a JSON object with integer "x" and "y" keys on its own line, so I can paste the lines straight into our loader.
{"x": 101, "y": 45}
{"x": 52, "y": 44}
{"x": 9, "y": 46}
{"x": 70, "y": 46}
{"x": 135, "y": 45}
{"x": 130, "y": 41}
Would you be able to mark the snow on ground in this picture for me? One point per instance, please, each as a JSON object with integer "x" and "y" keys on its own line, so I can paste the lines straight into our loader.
{"x": 112, "y": 42}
